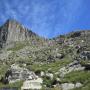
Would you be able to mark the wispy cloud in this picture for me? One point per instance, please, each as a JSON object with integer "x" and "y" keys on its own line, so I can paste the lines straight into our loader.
{"x": 46, "y": 17}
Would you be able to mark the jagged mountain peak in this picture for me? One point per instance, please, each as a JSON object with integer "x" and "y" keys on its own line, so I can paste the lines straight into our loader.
{"x": 19, "y": 25}
{"x": 11, "y": 20}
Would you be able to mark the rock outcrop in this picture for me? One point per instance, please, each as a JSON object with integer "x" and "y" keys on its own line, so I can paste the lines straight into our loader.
{"x": 12, "y": 31}
{"x": 74, "y": 66}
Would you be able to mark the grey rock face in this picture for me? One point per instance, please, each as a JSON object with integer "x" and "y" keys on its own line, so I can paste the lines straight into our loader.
{"x": 13, "y": 31}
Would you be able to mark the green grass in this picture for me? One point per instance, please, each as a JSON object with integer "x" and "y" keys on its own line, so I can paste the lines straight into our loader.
{"x": 86, "y": 86}
{"x": 17, "y": 47}
{"x": 54, "y": 66}
{"x": 3, "y": 69}
{"x": 77, "y": 76}
{"x": 16, "y": 84}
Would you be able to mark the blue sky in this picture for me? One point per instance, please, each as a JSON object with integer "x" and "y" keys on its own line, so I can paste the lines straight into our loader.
{"x": 48, "y": 18}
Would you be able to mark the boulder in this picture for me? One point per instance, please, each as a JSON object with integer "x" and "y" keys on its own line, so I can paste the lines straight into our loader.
{"x": 42, "y": 73}
{"x": 85, "y": 55}
{"x": 67, "y": 86}
{"x": 60, "y": 56}
{"x": 78, "y": 85}
{"x": 49, "y": 75}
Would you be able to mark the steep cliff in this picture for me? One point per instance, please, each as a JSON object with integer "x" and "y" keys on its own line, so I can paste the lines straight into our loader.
{"x": 13, "y": 31}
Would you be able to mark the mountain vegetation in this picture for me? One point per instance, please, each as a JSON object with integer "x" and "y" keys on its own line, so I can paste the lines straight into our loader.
{"x": 22, "y": 46}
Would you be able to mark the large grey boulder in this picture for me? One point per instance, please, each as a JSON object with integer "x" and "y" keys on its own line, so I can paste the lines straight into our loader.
{"x": 67, "y": 86}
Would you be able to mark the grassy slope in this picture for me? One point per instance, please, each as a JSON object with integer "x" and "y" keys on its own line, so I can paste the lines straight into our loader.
{"x": 79, "y": 76}
{"x": 54, "y": 66}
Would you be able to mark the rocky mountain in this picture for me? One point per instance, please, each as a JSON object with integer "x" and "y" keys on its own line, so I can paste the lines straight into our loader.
{"x": 13, "y": 31}
{"x": 15, "y": 36}
{"x": 63, "y": 60}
